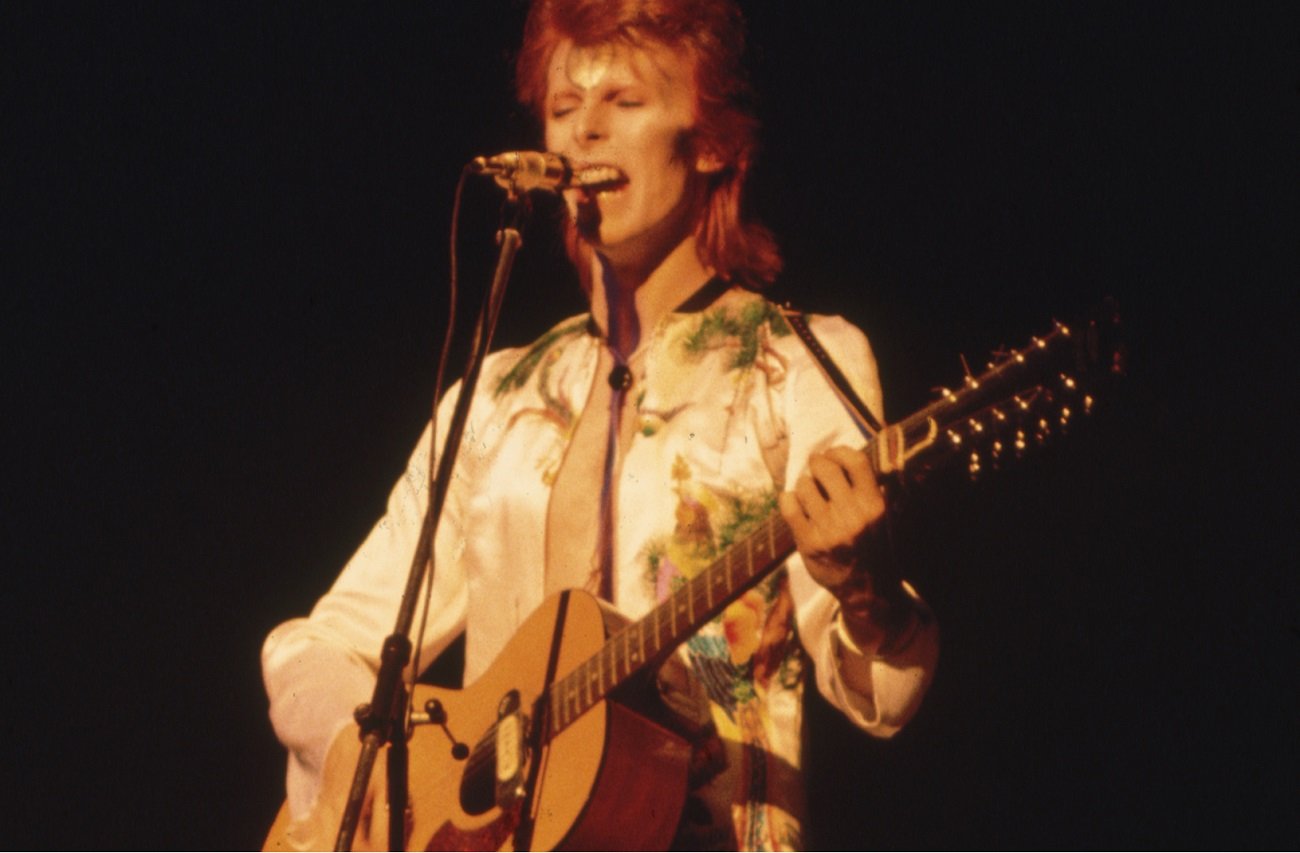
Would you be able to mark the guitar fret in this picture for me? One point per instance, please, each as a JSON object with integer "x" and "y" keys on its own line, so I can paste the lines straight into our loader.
{"x": 612, "y": 658}
{"x": 618, "y": 658}
{"x": 600, "y": 672}
{"x": 597, "y": 690}
{"x": 637, "y": 656}
{"x": 572, "y": 696}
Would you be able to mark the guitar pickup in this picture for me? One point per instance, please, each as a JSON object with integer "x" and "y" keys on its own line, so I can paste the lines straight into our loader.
{"x": 510, "y": 749}
{"x": 493, "y": 776}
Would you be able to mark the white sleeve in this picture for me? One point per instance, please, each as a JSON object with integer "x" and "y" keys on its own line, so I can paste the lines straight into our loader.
{"x": 878, "y": 694}
{"x": 319, "y": 668}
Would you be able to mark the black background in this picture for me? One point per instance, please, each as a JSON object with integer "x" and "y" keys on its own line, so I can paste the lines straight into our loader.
{"x": 225, "y": 254}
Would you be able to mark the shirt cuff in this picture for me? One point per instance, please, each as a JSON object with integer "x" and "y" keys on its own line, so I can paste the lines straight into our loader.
{"x": 897, "y": 646}
{"x": 846, "y": 644}
{"x": 880, "y": 691}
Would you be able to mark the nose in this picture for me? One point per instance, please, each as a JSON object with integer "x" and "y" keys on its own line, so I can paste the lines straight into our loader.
{"x": 591, "y": 124}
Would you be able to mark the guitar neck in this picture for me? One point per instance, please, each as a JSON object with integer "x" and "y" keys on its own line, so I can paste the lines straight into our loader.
{"x": 673, "y": 621}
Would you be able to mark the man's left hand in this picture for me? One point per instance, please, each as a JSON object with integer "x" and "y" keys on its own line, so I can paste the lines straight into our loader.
{"x": 836, "y": 513}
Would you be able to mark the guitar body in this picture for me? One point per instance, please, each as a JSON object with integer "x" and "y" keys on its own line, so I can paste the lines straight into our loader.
{"x": 612, "y": 779}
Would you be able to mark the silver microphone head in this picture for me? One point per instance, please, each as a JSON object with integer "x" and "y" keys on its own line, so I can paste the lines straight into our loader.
{"x": 520, "y": 171}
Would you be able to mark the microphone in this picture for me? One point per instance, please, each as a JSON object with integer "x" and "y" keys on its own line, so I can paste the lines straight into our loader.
{"x": 526, "y": 170}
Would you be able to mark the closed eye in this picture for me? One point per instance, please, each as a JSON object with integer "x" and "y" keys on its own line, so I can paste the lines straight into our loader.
{"x": 564, "y": 103}
{"x": 627, "y": 98}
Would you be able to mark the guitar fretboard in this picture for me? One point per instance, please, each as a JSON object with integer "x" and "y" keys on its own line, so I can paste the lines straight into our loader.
{"x": 670, "y": 623}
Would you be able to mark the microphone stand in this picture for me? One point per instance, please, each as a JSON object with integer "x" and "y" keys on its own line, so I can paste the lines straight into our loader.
{"x": 381, "y": 720}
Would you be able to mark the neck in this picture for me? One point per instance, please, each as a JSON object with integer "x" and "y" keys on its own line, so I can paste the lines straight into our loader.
{"x": 624, "y": 301}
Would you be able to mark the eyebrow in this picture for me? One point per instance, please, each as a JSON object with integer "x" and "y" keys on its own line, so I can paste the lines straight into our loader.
{"x": 606, "y": 87}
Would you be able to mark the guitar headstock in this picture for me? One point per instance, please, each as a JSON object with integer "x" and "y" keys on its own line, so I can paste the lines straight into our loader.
{"x": 1022, "y": 400}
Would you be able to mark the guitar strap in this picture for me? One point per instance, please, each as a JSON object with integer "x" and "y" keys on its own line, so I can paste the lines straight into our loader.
{"x": 866, "y": 421}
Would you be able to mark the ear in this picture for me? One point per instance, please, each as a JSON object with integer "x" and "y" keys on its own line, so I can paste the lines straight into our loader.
{"x": 707, "y": 163}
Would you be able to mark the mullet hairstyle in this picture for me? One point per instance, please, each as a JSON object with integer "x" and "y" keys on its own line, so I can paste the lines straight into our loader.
{"x": 711, "y": 33}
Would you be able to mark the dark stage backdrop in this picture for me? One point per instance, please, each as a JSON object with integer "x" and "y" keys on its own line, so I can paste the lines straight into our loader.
{"x": 225, "y": 261}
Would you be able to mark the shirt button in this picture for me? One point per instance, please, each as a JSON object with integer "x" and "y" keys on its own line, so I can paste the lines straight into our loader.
{"x": 620, "y": 378}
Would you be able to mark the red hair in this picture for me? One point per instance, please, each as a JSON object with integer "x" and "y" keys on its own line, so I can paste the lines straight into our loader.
{"x": 712, "y": 34}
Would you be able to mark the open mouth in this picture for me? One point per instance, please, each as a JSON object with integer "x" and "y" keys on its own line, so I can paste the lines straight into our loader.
{"x": 599, "y": 179}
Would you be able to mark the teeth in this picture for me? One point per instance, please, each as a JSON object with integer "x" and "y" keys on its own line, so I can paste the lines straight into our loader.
{"x": 598, "y": 176}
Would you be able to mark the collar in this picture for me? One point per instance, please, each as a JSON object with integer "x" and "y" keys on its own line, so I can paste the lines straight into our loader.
{"x": 702, "y": 298}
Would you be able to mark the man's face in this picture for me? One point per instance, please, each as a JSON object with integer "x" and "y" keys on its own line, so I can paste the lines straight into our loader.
{"x": 625, "y": 112}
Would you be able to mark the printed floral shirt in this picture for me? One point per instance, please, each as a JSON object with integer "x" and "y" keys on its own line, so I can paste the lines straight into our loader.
{"x": 729, "y": 405}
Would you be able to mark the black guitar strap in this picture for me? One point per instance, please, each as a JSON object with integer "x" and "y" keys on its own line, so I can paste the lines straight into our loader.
{"x": 866, "y": 421}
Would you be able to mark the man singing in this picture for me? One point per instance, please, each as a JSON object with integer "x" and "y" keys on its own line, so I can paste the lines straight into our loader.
{"x": 626, "y": 449}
